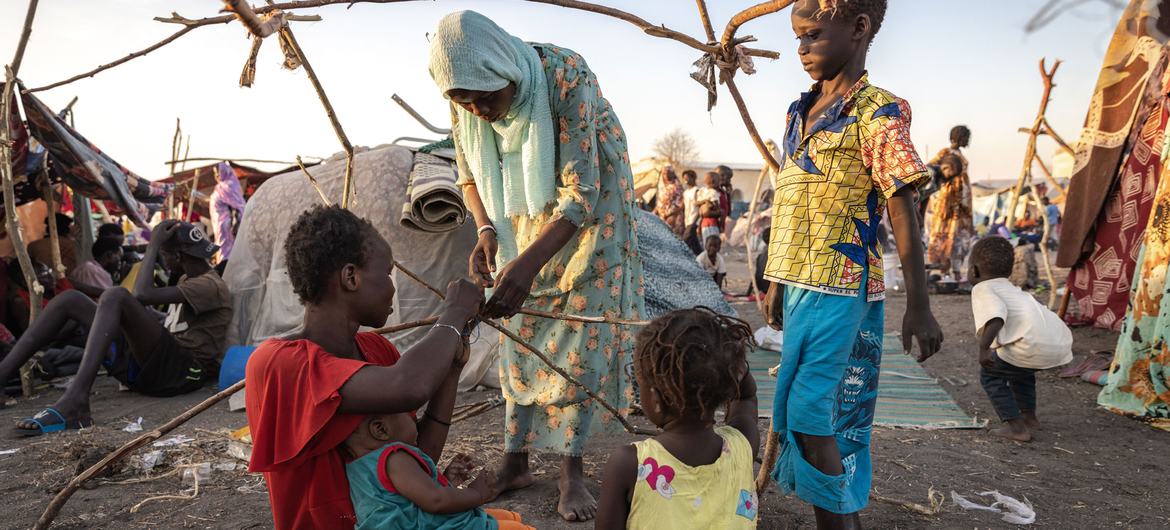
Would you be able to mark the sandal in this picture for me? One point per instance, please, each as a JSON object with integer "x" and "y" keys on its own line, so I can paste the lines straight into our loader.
{"x": 44, "y": 427}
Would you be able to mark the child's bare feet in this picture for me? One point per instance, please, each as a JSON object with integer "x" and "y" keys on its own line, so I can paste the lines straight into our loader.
{"x": 514, "y": 473}
{"x": 1015, "y": 430}
{"x": 1030, "y": 421}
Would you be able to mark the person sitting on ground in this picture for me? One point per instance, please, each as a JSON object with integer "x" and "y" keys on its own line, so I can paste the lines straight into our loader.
{"x": 982, "y": 229}
{"x": 710, "y": 210}
{"x": 712, "y": 261}
{"x": 19, "y": 299}
{"x": 1017, "y": 336}
{"x": 688, "y": 363}
{"x": 394, "y": 482}
{"x": 1025, "y": 272}
{"x": 42, "y": 249}
{"x": 1000, "y": 229}
{"x": 94, "y": 276}
{"x": 166, "y": 358}
{"x": 307, "y": 393}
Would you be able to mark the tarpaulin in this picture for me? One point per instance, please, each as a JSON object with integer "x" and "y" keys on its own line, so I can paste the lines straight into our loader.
{"x": 87, "y": 170}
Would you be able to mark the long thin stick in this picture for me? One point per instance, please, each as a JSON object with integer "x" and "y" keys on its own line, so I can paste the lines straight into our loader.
{"x": 178, "y": 160}
{"x": 11, "y": 219}
{"x": 751, "y": 125}
{"x": 59, "y": 500}
{"x": 1044, "y": 248}
{"x": 313, "y": 182}
{"x": 406, "y": 325}
{"x": 540, "y": 355}
{"x": 188, "y": 26}
{"x": 533, "y": 312}
{"x": 54, "y": 239}
{"x": 347, "y": 187}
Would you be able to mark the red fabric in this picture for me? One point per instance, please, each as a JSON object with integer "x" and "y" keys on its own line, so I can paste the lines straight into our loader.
{"x": 61, "y": 286}
{"x": 384, "y": 478}
{"x": 292, "y": 401}
{"x": 1101, "y": 283}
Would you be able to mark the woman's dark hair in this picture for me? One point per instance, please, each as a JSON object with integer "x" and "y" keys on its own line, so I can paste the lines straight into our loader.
{"x": 104, "y": 246}
{"x": 322, "y": 241}
{"x": 691, "y": 357}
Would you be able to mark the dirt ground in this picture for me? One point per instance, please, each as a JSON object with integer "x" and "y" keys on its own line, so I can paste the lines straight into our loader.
{"x": 1086, "y": 469}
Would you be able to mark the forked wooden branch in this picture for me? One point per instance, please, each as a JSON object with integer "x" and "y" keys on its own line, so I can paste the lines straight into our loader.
{"x": 62, "y": 496}
{"x": 754, "y": 12}
{"x": 1033, "y": 133}
{"x": 630, "y": 428}
{"x": 259, "y": 26}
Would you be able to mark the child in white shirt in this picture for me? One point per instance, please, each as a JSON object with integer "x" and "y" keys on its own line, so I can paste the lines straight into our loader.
{"x": 1017, "y": 336}
{"x": 712, "y": 261}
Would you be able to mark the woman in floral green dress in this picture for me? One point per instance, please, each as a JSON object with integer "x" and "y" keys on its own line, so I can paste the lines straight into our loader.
{"x": 546, "y": 174}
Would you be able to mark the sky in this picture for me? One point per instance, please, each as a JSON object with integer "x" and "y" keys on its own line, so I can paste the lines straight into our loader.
{"x": 955, "y": 61}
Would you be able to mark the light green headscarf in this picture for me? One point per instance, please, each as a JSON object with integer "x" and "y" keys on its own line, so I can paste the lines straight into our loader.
{"x": 511, "y": 159}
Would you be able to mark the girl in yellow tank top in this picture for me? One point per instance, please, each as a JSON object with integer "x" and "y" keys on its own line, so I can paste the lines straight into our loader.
{"x": 694, "y": 475}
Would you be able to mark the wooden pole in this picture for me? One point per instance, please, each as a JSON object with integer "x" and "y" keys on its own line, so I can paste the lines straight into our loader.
{"x": 62, "y": 496}
{"x": 54, "y": 239}
{"x": 1030, "y": 152}
{"x": 1044, "y": 248}
{"x": 347, "y": 186}
{"x": 11, "y": 219}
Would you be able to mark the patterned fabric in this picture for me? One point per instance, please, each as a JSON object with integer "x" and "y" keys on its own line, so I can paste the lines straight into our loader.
{"x": 832, "y": 187}
{"x": 599, "y": 272}
{"x": 670, "y": 206}
{"x": 1119, "y": 105}
{"x": 227, "y": 208}
{"x": 828, "y": 386}
{"x": 671, "y": 494}
{"x": 1139, "y": 380}
{"x": 1101, "y": 284}
{"x": 951, "y": 221}
{"x": 90, "y": 172}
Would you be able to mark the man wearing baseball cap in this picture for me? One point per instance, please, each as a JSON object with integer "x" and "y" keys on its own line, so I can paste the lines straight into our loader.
{"x": 155, "y": 357}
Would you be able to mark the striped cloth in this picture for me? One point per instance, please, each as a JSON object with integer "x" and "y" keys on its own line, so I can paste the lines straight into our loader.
{"x": 436, "y": 203}
{"x": 907, "y": 396}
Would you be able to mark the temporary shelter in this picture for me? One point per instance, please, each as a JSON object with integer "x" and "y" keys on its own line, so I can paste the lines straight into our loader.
{"x": 1117, "y": 166}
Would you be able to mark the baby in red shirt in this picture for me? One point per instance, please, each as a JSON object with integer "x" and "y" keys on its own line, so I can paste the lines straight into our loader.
{"x": 307, "y": 393}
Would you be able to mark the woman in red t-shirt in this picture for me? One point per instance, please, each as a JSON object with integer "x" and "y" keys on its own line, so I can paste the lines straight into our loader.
{"x": 308, "y": 392}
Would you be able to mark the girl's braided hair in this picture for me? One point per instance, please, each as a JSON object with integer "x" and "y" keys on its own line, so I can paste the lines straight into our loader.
{"x": 693, "y": 358}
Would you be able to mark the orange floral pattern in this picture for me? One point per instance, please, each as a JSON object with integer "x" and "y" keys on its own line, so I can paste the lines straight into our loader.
{"x": 597, "y": 273}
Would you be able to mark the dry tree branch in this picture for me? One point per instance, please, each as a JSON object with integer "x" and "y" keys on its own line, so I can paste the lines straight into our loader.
{"x": 745, "y": 16}
{"x": 59, "y": 500}
{"x": 258, "y": 26}
{"x": 313, "y": 182}
{"x": 188, "y": 26}
{"x": 347, "y": 187}
{"x": 543, "y": 358}
{"x": 11, "y": 219}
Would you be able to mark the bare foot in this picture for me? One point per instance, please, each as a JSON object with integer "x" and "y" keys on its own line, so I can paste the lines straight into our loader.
{"x": 513, "y": 473}
{"x": 1031, "y": 422}
{"x": 576, "y": 503}
{"x": 1014, "y": 430}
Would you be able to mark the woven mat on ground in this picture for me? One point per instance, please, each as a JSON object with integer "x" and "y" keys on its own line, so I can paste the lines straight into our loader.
{"x": 907, "y": 396}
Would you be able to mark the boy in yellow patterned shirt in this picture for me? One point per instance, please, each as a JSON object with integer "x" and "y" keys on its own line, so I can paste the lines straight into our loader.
{"x": 847, "y": 155}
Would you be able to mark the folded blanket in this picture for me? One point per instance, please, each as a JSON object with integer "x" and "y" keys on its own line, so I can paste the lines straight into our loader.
{"x": 436, "y": 203}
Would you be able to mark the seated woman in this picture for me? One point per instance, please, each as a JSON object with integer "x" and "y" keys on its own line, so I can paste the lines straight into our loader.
{"x": 309, "y": 392}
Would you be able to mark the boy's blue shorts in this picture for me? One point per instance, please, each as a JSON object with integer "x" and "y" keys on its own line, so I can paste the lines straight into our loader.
{"x": 827, "y": 386}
